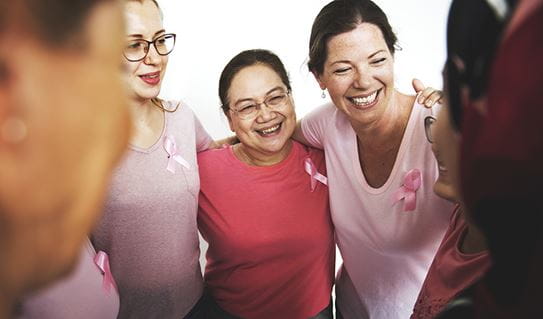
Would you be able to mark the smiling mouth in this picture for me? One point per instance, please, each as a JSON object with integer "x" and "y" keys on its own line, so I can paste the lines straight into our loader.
{"x": 270, "y": 131}
{"x": 365, "y": 101}
{"x": 151, "y": 78}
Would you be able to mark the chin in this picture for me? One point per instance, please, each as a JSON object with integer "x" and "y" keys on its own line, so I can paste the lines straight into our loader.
{"x": 445, "y": 191}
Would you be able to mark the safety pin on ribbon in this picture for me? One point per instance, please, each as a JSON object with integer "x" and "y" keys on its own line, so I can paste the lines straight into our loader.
{"x": 173, "y": 154}
{"x": 314, "y": 174}
{"x": 102, "y": 261}
{"x": 408, "y": 191}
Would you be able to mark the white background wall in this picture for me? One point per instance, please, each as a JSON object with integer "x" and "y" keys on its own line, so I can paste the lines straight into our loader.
{"x": 210, "y": 33}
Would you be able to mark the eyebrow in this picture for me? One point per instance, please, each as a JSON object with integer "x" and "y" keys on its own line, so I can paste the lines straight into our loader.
{"x": 267, "y": 93}
{"x": 137, "y": 35}
{"x": 369, "y": 57}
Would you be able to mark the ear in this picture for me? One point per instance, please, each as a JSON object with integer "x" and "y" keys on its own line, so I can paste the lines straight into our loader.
{"x": 319, "y": 80}
{"x": 230, "y": 123}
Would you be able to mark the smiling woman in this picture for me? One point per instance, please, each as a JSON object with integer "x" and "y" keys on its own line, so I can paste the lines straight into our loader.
{"x": 149, "y": 224}
{"x": 381, "y": 168}
{"x": 264, "y": 203}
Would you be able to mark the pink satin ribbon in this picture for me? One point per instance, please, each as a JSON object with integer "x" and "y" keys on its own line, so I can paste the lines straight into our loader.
{"x": 173, "y": 154}
{"x": 408, "y": 190}
{"x": 102, "y": 261}
{"x": 315, "y": 175}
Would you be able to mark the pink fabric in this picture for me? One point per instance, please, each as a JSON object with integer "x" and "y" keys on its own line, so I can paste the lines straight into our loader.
{"x": 81, "y": 295}
{"x": 149, "y": 225}
{"x": 385, "y": 250}
{"x": 271, "y": 244}
{"x": 451, "y": 272}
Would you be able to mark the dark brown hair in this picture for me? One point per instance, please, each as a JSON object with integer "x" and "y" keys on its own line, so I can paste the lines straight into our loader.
{"x": 342, "y": 16}
{"x": 243, "y": 60}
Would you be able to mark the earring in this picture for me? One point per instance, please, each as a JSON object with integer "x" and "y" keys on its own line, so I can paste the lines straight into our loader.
{"x": 323, "y": 95}
{"x": 13, "y": 130}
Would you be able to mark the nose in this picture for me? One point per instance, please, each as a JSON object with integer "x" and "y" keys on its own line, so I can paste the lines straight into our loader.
{"x": 265, "y": 113}
{"x": 362, "y": 79}
{"x": 152, "y": 56}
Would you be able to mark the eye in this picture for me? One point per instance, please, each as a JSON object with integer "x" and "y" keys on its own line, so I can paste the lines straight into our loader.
{"x": 277, "y": 99}
{"x": 378, "y": 61}
{"x": 134, "y": 45}
{"x": 247, "y": 109}
{"x": 342, "y": 70}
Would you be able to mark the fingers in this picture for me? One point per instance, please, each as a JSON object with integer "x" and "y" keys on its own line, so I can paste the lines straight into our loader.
{"x": 430, "y": 96}
{"x": 418, "y": 85}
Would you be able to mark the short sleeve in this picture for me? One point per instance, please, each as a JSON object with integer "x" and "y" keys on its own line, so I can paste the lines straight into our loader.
{"x": 315, "y": 124}
{"x": 203, "y": 139}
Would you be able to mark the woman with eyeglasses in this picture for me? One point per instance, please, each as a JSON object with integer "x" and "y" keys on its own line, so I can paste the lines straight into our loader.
{"x": 149, "y": 225}
{"x": 462, "y": 258}
{"x": 264, "y": 203}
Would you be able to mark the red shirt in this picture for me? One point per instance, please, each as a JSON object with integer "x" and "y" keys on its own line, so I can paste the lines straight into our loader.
{"x": 451, "y": 271}
{"x": 271, "y": 240}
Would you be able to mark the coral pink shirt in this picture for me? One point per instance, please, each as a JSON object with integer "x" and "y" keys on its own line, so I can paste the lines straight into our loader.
{"x": 386, "y": 250}
{"x": 451, "y": 272}
{"x": 271, "y": 244}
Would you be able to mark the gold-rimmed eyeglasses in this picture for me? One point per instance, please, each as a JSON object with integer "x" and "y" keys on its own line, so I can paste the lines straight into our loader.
{"x": 137, "y": 50}
{"x": 249, "y": 109}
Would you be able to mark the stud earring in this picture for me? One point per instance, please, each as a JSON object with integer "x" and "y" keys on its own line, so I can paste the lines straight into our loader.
{"x": 323, "y": 95}
{"x": 13, "y": 130}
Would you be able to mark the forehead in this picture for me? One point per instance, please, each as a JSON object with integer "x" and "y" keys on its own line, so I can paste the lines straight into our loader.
{"x": 254, "y": 81}
{"x": 142, "y": 18}
{"x": 365, "y": 39}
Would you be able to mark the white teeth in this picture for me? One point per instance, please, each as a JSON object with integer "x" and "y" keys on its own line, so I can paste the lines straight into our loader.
{"x": 271, "y": 129}
{"x": 364, "y": 100}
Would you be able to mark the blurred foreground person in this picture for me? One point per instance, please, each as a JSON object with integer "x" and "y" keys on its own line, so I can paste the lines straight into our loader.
{"x": 501, "y": 150}
{"x": 63, "y": 126}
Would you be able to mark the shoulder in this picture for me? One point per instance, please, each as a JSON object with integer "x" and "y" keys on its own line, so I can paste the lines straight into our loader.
{"x": 316, "y": 155}
{"x": 214, "y": 156}
{"x": 323, "y": 112}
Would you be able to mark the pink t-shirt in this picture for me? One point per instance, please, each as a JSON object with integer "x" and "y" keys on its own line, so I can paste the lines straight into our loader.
{"x": 149, "y": 227}
{"x": 271, "y": 244}
{"x": 386, "y": 251}
{"x": 81, "y": 295}
{"x": 451, "y": 272}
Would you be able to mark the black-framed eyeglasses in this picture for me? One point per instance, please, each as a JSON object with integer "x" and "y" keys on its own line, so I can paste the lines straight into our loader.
{"x": 137, "y": 50}
{"x": 428, "y": 121}
{"x": 249, "y": 109}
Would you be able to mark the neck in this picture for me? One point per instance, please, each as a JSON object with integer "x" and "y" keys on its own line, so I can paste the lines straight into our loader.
{"x": 473, "y": 241}
{"x": 141, "y": 108}
{"x": 255, "y": 158}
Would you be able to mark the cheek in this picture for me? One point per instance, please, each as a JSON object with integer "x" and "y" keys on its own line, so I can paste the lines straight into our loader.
{"x": 240, "y": 127}
{"x": 386, "y": 75}
{"x": 164, "y": 61}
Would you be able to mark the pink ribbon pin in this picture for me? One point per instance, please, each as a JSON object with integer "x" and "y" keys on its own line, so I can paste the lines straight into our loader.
{"x": 102, "y": 261}
{"x": 173, "y": 154}
{"x": 408, "y": 190}
{"x": 315, "y": 175}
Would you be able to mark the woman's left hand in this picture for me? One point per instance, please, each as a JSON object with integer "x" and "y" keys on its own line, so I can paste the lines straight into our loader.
{"x": 427, "y": 96}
